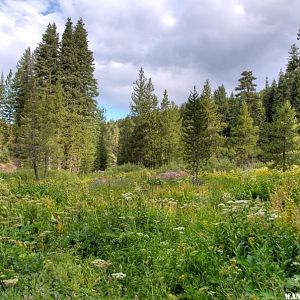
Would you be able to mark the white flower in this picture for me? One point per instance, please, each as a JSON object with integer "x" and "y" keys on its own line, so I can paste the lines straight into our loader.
{"x": 164, "y": 243}
{"x": 118, "y": 275}
{"x": 9, "y": 282}
{"x": 179, "y": 229}
{"x": 261, "y": 212}
{"x": 127, "y": 196}
{"x": 241, "y": 201}
{"x": 101, "y": 263}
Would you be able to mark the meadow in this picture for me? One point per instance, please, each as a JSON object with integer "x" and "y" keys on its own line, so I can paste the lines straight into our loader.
{"x": 134, "y": 233}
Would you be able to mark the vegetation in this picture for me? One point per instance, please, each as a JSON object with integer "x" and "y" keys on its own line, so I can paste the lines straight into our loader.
{"x": 167, "y": 203}
{"x": 236, "y": 236}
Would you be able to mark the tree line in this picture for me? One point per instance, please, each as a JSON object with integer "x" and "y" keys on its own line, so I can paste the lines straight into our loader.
{"x": 49, "y": 117}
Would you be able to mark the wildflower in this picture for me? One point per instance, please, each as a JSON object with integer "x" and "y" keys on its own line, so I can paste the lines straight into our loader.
{"x": 142, "y": 235}
{"x": 242, "y": 201}
{"x": 127, "y": 196}
{"x": 178, "y": 229}
{"x": 272, "y": 217}
{"x": 53, "y": 220}
{"x": 164, "y": 243}
{"x": 118, "y": 275}
{"x": 260, "y": 213}
{"x": 9, "y": 282}
{"x": 101, "y": 263}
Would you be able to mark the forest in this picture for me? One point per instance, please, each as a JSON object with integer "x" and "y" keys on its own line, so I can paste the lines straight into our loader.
{"x": 195, "y": 201}
{"x": 50, "y": 119}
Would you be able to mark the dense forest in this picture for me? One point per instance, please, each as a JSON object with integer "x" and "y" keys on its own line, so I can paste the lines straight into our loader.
{"x": 49, "y": 118}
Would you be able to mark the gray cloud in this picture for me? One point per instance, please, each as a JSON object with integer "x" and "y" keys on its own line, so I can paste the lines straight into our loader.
{"x": 179, "y": 43}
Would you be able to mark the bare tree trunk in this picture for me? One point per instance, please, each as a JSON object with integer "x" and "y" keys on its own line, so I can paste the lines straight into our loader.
{"x": 35, "y": 168}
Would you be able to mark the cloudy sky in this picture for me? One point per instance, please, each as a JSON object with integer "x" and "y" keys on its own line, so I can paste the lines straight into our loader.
{"x": 179, "y": 43}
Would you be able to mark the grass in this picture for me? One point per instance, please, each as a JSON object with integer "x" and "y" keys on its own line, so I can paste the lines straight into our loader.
{"x": 235, "y": 236}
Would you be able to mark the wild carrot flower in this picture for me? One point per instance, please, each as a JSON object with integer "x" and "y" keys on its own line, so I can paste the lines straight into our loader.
{"x": 118, "y": 275}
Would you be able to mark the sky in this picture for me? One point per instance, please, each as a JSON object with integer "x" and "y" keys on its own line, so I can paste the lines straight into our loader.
{"x": 178, "y": 43}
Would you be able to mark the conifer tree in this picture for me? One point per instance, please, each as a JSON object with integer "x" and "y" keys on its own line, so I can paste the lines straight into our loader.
{"x": 283, "y": 149}
{"x": 47, "y": 77}
{"x": 246, "y": 91}
{"x": 295, "y": 94}
{"x": 222, "y": 102}
{"x": 269, "y": 100}
{"x": 8, "y": 111}
{"x": 192, "y": 130}
{"x": 69, "y": 82}
{"x": 244, "y": 137}
{"x": 126, "y": 127}
{"x": 80, "y": 90}
{"x": 283, "y": 89}
{"x": 293, "y": 60}
{"x": 31, "y": 116}
{"x": 211, "y": 138}
{"x": 145, "y": 148}
{"x": 170, "y": 130}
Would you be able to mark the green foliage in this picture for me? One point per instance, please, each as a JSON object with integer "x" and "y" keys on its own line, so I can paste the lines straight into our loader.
{"x": 167, "y": 239}
{"x": 283, "y": 148}
{"x": 244, "y": 137}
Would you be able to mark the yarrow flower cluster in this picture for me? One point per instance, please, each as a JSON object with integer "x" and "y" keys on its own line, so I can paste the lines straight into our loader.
{"x": 255, "y": 208}
{"x": 180, "y": 229}
{"x": 101, "y": 263}
{"x": 118, "y": 276}
{"x": 127, "y": 196}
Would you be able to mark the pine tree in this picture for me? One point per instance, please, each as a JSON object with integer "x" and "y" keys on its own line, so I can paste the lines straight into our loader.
{"x": 86, "y": 94}
{"x": 80, "y": 90}
{"x": 222, "y": 102}
{"x": 126, "y": 127}
{"x": 8, "y": 111}
{"x": 211, "y": 139}
{"x": 2, "y": 123}
{"x": 47, "y": 77}
{"x": 269, "y": 100}
{"x": 283, "y": 149}
{"x": 246, "y": 91}
{"x": 145, "y": 135}
{"x": 295, "y": 94}
{"x": 31, "y": 115}
{"x": 170, "y": 130}
{"x": 192, "y": 130}
{"x": 283, "y": 89}
{"x": 69, "y": 82}
{"x": 293, "y": 60}
{"x": 244, "y": 137}
{"x": 101, "y": 161}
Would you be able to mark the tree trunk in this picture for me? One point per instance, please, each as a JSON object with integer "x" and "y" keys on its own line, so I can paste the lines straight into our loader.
{"x": 35, "y": 168}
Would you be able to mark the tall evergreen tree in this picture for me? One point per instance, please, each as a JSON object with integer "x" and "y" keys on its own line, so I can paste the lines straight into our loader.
{"x": 269, "y": 98}
{"x": 80, "y": 90}
{"x": 145, "y": 148}
{"x": 295, "y": 94}
{"x": 192, "y": 130}
{"x": 246, "y": 91}
{"x": 244, "y": 137}
{"x": 170, "y": 130}
{"x": 284, "y": 148}
{"x": 31, "y": 114}
{"x": 47, "y": 77}
{"x": 126, "y": 127}
{"x": 293, "y": 60}
{"x": 8, "y": 110}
